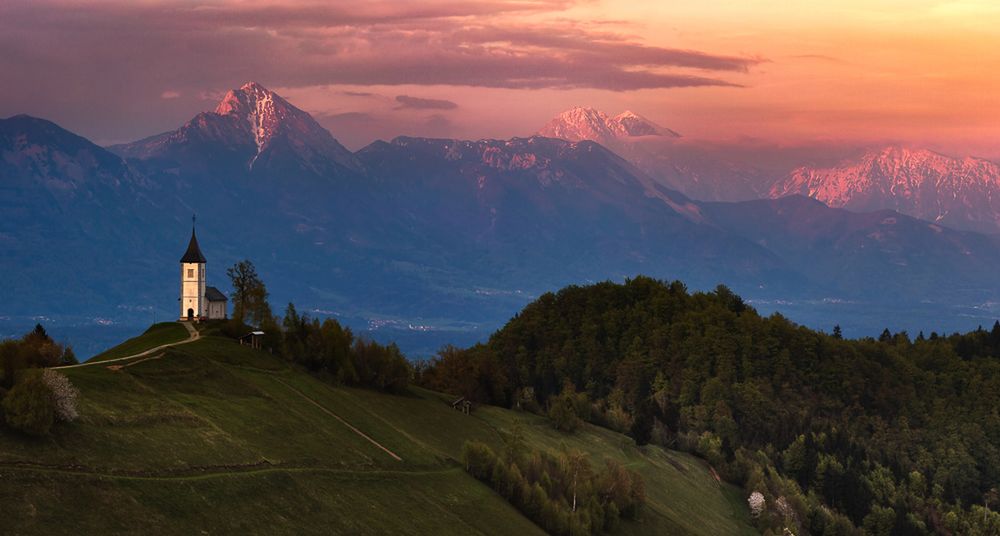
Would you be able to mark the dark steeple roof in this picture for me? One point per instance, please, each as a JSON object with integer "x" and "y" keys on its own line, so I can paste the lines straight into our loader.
{"x": 193, "y": 253}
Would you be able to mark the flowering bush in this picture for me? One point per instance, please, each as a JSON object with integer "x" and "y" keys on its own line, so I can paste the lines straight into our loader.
{"x": 757, "y": 503}
{"x": 64, "y": 395}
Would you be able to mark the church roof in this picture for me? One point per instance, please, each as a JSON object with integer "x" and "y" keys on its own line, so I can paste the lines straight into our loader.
{"x": 193, "y": 253}
{"x": 212, "y": 294}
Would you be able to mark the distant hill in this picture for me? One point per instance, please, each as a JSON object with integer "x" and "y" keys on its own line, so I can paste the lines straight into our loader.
{"x": 215, "y": 437}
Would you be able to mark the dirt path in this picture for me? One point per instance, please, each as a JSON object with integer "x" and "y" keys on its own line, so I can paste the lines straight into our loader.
{"x": 342, "y": 421}
{"x": 193, "y": 335}
{"x": 207, "y": 472}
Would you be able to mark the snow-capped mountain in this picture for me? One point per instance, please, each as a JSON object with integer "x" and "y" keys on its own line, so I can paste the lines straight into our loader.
{"x": 459, "y": 231}
{"x": 580, "y": 124}
{"x": 257, "y": 128}
{"x": 963, "y": 193}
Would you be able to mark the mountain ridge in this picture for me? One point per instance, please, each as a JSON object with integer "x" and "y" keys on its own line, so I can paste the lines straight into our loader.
{"x": 452, "y": 236}
{"x": 959, "y": 192}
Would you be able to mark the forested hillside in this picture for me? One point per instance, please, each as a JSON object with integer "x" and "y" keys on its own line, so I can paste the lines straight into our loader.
{"x": 892, "y": 436}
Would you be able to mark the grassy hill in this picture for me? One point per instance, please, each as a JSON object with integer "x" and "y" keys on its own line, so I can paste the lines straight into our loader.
{"x": 214, "y": 438}
{"x": 157, "y": 335}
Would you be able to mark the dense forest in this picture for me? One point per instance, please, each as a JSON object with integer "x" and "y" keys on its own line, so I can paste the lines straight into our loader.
{"x": 895, "y": 436}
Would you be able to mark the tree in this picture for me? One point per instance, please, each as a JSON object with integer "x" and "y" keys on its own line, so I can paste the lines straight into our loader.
{"x": 563, "y": 414}
{"x": 577, "y": 468}
{"x": 29, "y": 406}
{"x": 837, "y": 333}
{"x": 249, "y": 294}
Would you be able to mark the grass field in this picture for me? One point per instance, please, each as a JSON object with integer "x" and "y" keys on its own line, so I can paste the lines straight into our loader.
{"x": 216, "y": 438}
{"x": 156, "y": 335}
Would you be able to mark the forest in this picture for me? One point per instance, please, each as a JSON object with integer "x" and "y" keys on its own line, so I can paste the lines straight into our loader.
{"x": 898, "y": 435}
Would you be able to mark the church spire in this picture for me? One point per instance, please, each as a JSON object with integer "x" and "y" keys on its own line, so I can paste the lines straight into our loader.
{"x": 193, "y": 253}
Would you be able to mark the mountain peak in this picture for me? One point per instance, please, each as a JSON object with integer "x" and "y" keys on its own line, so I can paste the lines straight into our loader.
{"x": 253, "y": 119}
{"x": 585, "y": 123}
{"x": 961, "y": 192}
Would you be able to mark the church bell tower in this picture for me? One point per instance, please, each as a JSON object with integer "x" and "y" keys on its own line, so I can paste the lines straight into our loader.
{"x": 193, "y": 304}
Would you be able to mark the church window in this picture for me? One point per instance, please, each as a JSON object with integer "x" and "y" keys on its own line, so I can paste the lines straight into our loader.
{"x": 190, "y": 272}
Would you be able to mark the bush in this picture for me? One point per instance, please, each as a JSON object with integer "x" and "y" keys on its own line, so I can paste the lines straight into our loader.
{"x": 29, "y": 407}
{"x": 63, "y": 394}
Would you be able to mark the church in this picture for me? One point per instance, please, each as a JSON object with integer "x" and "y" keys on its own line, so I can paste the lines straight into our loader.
{"x": 198, "y": 301}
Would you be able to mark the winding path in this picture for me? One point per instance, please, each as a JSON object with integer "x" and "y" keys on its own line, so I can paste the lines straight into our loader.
{"x": 193, "y": 335}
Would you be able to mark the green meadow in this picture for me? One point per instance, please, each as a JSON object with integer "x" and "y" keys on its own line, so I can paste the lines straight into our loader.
{"x": 215, "y": 438}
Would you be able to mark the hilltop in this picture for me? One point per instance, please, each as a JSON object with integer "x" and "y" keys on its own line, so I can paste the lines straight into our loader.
{"x": 214, "y": 437}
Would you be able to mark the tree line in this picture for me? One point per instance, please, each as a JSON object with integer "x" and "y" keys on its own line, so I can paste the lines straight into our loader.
{"x": 324, "y": 347}
{"x": 887, "y": 436}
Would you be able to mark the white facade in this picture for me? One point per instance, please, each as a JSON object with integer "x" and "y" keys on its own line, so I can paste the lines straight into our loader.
{"x": 194, "y": 306}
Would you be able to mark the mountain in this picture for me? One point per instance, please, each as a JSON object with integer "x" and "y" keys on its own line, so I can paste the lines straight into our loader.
{"x": 696, "y": 169}
{"x": 580, "y": 124}
{"x": 963, "y": 193}
{"x": 543, "y": 212}
{"x": 866, "y": 255}
{"x": 429, "y": 241}
{"x": 69, "y": 206}
{"x": 254, "y": 127}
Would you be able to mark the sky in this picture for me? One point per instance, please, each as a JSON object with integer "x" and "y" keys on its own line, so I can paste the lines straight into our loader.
{"x": 918, "y": 72}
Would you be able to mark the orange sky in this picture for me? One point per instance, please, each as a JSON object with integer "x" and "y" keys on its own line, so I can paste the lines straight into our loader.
{"x": 916, "y": 71}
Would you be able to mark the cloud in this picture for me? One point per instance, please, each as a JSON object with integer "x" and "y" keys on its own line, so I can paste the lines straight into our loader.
{"x": 169, "y": 94}
{"x": 388, "y": 43}
{"x": 205, "y": 48}
{"x": 417, "y": 103}
{"x": 357, "y": 93}
{"x": 345, "y": 116}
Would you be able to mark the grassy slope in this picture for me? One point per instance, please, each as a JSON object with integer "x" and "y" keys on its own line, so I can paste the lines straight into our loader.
{"x": 215, "y": 437}
{"x": 156, "y": 335}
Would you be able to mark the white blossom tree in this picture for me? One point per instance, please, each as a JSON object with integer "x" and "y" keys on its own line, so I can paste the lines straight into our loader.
{"x": 757, "y": 503}
{"x": 64, "y": 395}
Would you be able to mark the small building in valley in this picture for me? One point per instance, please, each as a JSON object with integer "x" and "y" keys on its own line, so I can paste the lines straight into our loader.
{"x": 198, "y": 301}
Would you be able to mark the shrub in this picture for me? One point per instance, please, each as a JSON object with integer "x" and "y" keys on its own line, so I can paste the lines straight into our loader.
{"x": 757, "y": 504}
{"x": 29, "y": 407}
{"x": 63, "y": 394}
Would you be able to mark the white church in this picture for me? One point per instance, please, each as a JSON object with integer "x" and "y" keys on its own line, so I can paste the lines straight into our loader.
{"x": 198, "y": 301}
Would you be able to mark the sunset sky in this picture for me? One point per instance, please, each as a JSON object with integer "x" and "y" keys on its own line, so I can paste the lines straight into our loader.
{"x": 915, "y": 71}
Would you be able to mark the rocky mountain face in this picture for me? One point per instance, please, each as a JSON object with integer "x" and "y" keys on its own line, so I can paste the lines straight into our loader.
{"x": 959, "y": 192}
{"x": 580, "y": 124}
{"x": 252, "y": 129}
{"x": 698, "y": 170}
{"x": 424, "y": 237}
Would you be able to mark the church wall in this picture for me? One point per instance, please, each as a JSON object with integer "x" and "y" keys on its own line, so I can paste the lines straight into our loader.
{"x": 216, "y": 310}
{"x": 193, "y": 290}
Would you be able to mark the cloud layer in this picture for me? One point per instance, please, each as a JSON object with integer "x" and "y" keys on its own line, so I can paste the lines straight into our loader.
{"x": 83, "y": 56}
{"x": 417, "y": 103}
